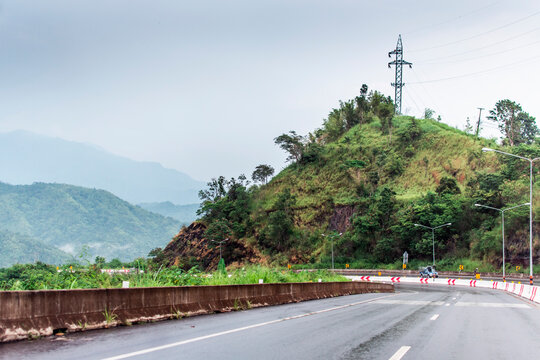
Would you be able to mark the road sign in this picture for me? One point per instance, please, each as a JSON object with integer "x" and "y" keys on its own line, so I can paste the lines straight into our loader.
{"x": 460, "y": 267}
{"x": 404, "y": 266}
{"x": 518, "y": 268}
{"x": 289, "y": 266}
{"x": 405, "y": 258}
{"x": 346, "y": 266}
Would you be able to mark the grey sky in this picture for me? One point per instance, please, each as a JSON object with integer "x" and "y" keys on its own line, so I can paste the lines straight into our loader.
{"x": 205, "y": 86}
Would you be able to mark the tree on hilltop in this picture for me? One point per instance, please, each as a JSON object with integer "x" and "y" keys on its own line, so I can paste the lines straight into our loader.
{"x": 262, "y": 173}
{"x": 291, "y": 143}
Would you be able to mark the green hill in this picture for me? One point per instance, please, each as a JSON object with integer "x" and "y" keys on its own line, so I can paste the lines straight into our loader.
{"x": 82, "y": 221}
{"x": 17, "y": 248}
{"x": 371, "y": 176}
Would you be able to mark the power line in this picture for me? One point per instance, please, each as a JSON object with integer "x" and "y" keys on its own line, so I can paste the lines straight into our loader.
{"x": 451, "y": 20}
{"x": 485, "y": 46}
{"x": 476, "y": 73}
{"x": 480, "y": 34}
{"x": 412, "y": 99}
{"x": 482, "y": 56}
{"x": 427, "y": 92}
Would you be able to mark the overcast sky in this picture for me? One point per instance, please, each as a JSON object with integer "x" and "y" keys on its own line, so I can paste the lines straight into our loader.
{"x": 205, "y": 86}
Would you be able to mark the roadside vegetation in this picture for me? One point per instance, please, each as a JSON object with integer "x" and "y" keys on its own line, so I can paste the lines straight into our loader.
{"x": 41, "y": 276}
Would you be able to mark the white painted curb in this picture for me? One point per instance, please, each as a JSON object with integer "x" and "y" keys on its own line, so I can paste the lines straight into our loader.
{"x": 525, "y": 291}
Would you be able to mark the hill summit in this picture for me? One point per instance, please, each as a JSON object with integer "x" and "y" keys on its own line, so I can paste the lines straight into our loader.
{"x": 361, "y": 182}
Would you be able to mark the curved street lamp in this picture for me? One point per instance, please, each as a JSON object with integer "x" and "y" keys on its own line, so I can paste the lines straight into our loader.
{"x": 502, "y": 213}
{"x": 433, "y": 235}
{"x": 531, "y": 206}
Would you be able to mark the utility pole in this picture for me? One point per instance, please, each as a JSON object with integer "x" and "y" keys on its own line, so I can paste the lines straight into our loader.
{"x": 478, "y": 123}
{"x": 398, "y": 62}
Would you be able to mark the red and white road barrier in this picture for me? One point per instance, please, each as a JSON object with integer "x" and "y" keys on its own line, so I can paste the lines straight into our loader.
{"x": 526, "y": 291}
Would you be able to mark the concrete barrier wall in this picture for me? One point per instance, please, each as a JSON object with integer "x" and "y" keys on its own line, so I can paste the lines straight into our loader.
{"x": 26, "y": 314}
{"x": 523, "y": 290}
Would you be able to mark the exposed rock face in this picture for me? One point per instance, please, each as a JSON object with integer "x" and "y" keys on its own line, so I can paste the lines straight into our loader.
{"x": 189, "y": 248}
{"x": 341, "y": 219}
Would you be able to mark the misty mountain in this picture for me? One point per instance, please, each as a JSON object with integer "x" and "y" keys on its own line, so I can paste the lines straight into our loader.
{"x": 16, "y": 248}
{"x": 78, "y": 220}
{"x": 26, "y": 158}
{"x": 186, "y": 214}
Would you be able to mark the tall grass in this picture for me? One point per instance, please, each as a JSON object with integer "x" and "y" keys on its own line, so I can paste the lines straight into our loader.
{"x": 30, "y": 278}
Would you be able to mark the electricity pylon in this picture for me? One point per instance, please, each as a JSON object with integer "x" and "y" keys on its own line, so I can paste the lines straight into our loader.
{"x": 399, "y": 62}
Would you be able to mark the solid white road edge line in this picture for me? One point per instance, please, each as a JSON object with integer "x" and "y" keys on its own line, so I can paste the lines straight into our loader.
{"x": 434, "y": 317}
{"x": 179, "y": 343}
{"x": 400, "y": 353}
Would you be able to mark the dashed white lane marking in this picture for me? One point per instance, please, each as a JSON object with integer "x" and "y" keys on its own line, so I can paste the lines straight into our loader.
{"x": 441, "y": 303}
{"x": 400, "y": 353}
{"x": 453, "y": 298}
{"x": 434, "y": 317}
{"x": 409, "y": 302}
{"x": 179, "y": 343}
{"x": 496, "y": 305}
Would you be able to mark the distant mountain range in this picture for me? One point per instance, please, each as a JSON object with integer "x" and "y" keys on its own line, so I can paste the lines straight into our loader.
{"x": 38, "y": 219}
{"x": 26, "y": 158}
{"x": 186, "y": 214}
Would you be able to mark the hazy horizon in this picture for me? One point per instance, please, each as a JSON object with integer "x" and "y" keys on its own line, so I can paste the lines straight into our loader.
{"x": 205, "y": 87}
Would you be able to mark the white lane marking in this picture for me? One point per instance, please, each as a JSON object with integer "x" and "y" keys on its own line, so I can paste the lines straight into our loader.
{"x": 496, "y": 305}
{"x": 447, "y": 304}
{"x": 409, "y": 302}
{"x": 453, "y": 298}
{"x": 434, "y": 317}
{"x": 400, "y": 353}
{"x": 179, "y": 343}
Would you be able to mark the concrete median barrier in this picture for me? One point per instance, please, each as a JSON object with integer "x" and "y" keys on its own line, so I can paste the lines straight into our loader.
{"x": 25, "y": 314}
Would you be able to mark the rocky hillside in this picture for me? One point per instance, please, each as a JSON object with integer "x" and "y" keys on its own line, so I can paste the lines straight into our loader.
{"x": 190, "y": 247}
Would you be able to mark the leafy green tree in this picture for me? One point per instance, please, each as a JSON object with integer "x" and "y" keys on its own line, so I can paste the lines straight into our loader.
{"x": 448, "y": 185}
{"x": 334, "y": 125}
{"x": 529, "y": 130}
{"x": 262, "y": 173}
{"x": 292, "y": 143}
{"x": 516, "y": 125}
{"x": 429, "y": 113}
{"x": 219, "y": 229}
{"x": 281, "y": 222}
{"x": 100, "y": 261}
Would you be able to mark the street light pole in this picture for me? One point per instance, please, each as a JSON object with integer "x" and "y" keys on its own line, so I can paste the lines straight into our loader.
{"x": 502, "y": 214}
{"x": 332, "y": 242}
{"x": 531, "y": 206}
{"x": 219, "y": 242}
{"x": 433, "y": 235}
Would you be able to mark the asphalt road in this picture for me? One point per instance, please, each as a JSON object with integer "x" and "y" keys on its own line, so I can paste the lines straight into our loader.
{"x": 417, "y": 322}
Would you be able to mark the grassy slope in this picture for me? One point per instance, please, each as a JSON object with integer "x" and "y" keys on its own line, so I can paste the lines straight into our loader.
{"x": 321, "y": 186}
